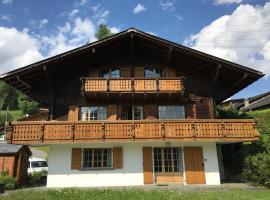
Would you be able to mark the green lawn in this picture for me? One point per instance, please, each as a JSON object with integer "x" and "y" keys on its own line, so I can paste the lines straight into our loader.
{"x": 132, "y": 194}
{"x": 43, "y": 148}
{"x": 263, "y": 117}
{"x": 16, "y": 114}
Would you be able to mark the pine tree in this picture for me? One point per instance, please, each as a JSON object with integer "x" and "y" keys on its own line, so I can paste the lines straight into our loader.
{"x": 103, "y": 32}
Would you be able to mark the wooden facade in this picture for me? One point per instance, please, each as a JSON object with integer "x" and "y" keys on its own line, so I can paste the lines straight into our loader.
{"x": 135, "y": 81}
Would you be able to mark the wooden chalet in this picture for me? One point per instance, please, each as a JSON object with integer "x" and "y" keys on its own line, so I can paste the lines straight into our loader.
{"x": 132, "y": 109}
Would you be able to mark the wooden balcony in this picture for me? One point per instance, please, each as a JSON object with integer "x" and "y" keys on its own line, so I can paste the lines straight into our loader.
{"x": 132, "y": 85}
{"x": 159, "y": 130}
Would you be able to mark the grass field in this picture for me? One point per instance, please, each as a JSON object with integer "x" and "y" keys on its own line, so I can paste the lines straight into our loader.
{"x": 16, "y": 114}
{"x": 263, "y": 117}
{"x": 43, "y": 148}
{"x": 132, "y": 194}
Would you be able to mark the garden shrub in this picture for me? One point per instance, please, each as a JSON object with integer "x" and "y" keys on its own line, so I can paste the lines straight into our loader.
{"x": 9, "y": 181}
{"x": 257, "y": 168}
{"x": 35, "y": 178}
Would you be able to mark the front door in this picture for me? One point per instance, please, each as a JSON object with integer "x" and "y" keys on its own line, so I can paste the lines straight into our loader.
{"x": 194, "y": 165}
{"x": 168, "y": 167}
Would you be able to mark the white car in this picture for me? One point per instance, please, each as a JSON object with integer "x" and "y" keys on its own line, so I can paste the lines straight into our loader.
{"x": 37, "y": 165}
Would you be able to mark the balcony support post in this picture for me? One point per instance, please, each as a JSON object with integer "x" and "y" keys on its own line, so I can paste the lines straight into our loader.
{"x": 51, "y": 108}
{"x": 163, "y": 132}
{"x": 42, "y": 133}
{"x": 103, "y": 131}
{"x": 133, "y": 131}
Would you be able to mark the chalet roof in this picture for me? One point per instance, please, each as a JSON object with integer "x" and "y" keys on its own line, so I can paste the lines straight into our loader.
{"x": 15, "y": 77}
{"x": 10, "y": 148}
{"x": 256, "y": 102}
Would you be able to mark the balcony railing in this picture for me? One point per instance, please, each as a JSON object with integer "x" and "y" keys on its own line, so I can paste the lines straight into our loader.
{"x": 132, "y": 85}
{"x": 96, "y": 131}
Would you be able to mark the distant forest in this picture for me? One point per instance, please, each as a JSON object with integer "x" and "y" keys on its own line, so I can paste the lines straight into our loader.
{"x": 11, "y": 100}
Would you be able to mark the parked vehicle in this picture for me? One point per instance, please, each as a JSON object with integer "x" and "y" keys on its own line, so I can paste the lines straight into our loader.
{"x": 37, "y": 165}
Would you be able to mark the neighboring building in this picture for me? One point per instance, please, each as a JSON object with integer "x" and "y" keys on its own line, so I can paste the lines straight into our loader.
{"x": 14, "y": 161}
{"x": 132, "y": 109}
{"x": 258, "y": 102}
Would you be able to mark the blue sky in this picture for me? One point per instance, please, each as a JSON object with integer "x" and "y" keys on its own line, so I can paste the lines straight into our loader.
{"x": 237, "y": 30}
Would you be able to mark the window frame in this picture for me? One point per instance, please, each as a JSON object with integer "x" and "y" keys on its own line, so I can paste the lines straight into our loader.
{"x": 155, "y": 72}
{"x": 132, "y": 111}
{"x": 101, "y": 111}
{"x": 172, "y": 160}
{"x": 110, "y": 73}
{"x": 93, "y": 168}
{"x": 165, "y": 117}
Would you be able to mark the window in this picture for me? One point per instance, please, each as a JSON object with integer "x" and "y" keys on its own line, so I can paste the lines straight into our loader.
{"x": 132, "y": 113}
{"x": 115, "y": 73}
{"x": 97, "y": 158}
{"x": 168, "y": 160}
{"x": 149, "y": 72}
{"x": 35, "y": 164}
{"x": 104, "y": 74}
{"x": 154, "y": 72}
{"x": 112, "y": 73}
{"x": 93, "y": 113}
{"x": 171, "y": 112}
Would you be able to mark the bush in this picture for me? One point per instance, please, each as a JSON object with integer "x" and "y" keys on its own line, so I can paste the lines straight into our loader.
{"x": 257, "y": 168}
{"x": 9, "y": 181}
{"x": 35, "y": 178}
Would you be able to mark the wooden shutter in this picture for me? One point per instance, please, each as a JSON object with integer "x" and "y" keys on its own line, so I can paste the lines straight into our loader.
{"x": 170, "y": 72}
{"x": 150, "y": 112}
{"x": 139, "y": 72}
{"x": 112, "y": 112}
{"x": 194, "y": 165}
{"x": 117, "y": 157}
{"x": 125, "y": 72}
{"x": 76, "y": 156}
{"x": 147, "y": 165}
{"x": 73, "y": 113}
{"x": 202, "y": 109}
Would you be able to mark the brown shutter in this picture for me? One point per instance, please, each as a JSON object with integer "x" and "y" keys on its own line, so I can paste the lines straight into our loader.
{"x": 117, "y": 157}
{"x": 170, "y": 72}
{"x": 147, "y": 165}
{"x": 202, "y": 109}
{"x": 73, "y": 113}
{"x": 125, "y": 72}
{"x": 150, "y": 112}
{"x": 76, "y": 156}
{"x": 112, "y": 112}
{"x": 139, "y": 72}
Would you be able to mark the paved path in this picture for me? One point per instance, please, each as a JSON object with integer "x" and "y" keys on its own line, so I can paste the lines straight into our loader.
{"x": 38, "y": 153}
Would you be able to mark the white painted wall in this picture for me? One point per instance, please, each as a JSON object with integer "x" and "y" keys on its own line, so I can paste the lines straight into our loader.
{"x": 61, "y": 175}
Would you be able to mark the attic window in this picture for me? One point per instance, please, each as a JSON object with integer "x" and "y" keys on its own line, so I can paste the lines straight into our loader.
{"x": 154, "y": 72}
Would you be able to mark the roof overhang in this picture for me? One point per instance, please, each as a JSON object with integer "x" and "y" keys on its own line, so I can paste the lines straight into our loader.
{"x": 246, "y": 75}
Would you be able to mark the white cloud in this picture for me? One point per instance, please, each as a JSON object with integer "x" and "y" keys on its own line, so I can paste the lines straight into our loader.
{"x": 138, "y": 8}
{"x": 7, "y": 1}
{"x": 43, "y": 22}
{"x": 220, "y": 2}
{"x": 73, "y": 13}
{"x": 241, "y": 37}
{"x": 6, "y": 18}
{"x": 151, "y": 33}
{"x": 81, "y": 2}
{"x": 178, "y": 17}
{"x": 17, "y": 49}
{"x": 114, "y": 29}
{"x": 100, "y": 14}
{"x": 71, "y": 35}
{"x": 168, "y": 5}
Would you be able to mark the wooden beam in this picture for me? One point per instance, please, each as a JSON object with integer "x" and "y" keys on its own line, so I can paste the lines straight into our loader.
{"x": 51, "y": 109}
{"x": 170, "y": 50}
{"x": 215, "y": 78}
{"x": 244, "y": 76}
{"x": 23, "y": 82}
